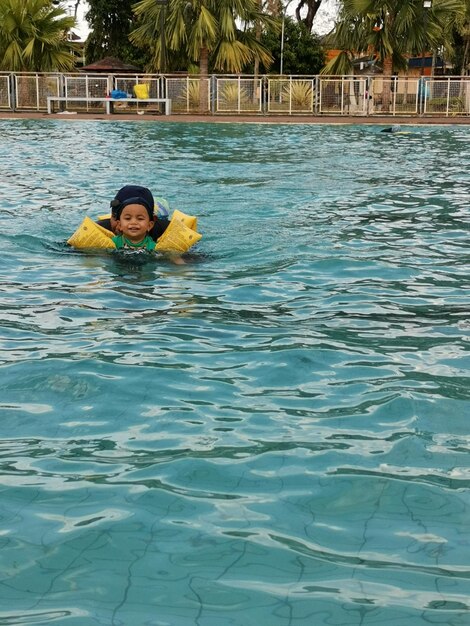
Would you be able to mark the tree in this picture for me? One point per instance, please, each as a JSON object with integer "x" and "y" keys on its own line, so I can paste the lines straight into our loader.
{"x": 389, "y": 30}
{"x": 461, "y": 40}
{"x": 75, "y": 9}
{"x": 216, "y": 34}
{"x": 33, "y": 37}
{"x": 312, "y": 9}
{"x": 302, "y": 53}
{"x": 111, "y": 22}
{"x": 271, "y": 7}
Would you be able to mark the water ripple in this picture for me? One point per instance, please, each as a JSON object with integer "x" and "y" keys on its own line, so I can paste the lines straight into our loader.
{"x": 275, "y": 432}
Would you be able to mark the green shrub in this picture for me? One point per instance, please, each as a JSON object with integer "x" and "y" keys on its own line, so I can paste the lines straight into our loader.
{"x": 231, "y": 94}
{"x": 299, "y": 92}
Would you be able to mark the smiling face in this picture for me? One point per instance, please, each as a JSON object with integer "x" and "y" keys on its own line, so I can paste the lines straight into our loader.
{"x": 134, "y": 222}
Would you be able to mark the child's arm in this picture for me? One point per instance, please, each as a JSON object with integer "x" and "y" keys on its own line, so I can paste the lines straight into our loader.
{"x": 176, "y": 259}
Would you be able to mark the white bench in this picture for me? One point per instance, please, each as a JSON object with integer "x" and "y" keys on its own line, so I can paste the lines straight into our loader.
{"x": 108, "y": 102}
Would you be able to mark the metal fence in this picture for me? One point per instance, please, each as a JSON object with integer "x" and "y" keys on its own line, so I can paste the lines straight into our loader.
{"x": 291, "y": 95}
{"x": 30, "y": 91}
{"x": 248, "y": 95}
{"x": 238, "y": 94}
{"x": 188, "y": 94}
{"x": 5, "y": 92}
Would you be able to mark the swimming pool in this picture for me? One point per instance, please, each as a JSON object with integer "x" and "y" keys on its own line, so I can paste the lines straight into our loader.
{"x": 275, "y": 433}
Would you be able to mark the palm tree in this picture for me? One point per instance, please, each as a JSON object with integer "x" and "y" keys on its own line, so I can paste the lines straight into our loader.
{"x": 389, "y": 30}
{"x": 216, "y": 32}
{"x": 462, "y": 41}
{"x": 33, "y": 36}
{"x": 274, "y": 8}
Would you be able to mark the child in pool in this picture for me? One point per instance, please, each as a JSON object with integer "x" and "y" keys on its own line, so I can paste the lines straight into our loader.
{"x": 126, "y": 193}
{"x": 135, "y": 220}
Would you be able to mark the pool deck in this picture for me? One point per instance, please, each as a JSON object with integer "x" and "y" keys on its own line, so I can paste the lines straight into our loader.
{"x": 247, "y": 119}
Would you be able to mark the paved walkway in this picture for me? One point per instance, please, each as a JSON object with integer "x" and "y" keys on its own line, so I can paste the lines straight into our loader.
{"x": 253, "y": 119}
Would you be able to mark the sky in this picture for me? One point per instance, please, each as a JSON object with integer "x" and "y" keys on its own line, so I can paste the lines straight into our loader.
{"x": 82, "y": 29}
{"x": 324, "y": 20}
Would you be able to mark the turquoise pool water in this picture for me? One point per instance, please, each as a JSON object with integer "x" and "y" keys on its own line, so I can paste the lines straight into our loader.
{"x": 275, "y": 434}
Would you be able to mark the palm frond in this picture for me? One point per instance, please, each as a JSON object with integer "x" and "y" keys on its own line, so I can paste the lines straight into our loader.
{"x": 340, "y": 65}
{"x": 33, "y": 36}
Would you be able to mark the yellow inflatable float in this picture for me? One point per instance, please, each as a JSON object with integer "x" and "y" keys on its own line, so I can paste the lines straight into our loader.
{"x": 180, "y": 235}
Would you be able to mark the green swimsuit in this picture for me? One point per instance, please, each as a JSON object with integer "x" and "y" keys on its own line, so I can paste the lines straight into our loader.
{"x": 122, "y": 243}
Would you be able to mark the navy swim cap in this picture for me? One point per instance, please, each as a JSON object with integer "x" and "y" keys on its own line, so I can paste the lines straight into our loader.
{"x": 132, "y": 194}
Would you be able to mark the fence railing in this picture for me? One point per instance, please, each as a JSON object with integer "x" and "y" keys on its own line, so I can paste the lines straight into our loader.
{"x": 248, "y": 95}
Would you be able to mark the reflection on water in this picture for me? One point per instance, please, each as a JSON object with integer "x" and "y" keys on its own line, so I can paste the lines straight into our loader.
{"x": 274, "y": 433}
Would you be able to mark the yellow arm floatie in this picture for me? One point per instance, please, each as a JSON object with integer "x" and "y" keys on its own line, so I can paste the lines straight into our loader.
{"x": 91, "y": 235}
{"x": 180, "y": 234}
